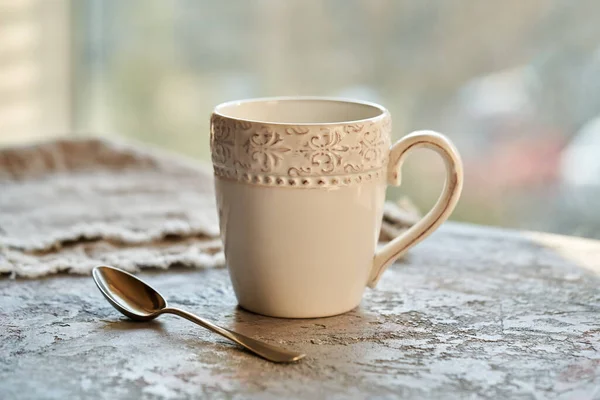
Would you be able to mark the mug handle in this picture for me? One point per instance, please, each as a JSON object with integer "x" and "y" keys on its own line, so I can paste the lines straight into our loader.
{"x": 389, "y": 253}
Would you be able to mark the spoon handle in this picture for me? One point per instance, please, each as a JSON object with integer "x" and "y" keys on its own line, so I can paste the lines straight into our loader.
{"x": 264, "y": 350}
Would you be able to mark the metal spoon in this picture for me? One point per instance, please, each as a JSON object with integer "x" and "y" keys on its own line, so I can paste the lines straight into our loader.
{"x": 139, "y": 301}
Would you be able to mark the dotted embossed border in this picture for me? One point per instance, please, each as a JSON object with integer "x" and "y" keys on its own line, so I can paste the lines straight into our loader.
{"x": 301, "y": 181}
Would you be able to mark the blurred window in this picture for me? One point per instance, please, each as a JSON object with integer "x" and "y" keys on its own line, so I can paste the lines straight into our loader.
{"x": 514, "y": 83}
{"x": 35, "y": 69}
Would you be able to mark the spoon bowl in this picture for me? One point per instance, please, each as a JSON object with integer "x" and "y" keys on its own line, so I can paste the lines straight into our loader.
{"x": 139, "y": 301}
{"x": 128, "y": 294}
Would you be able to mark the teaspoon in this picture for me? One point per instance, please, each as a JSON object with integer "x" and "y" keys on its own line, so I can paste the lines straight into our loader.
{"x": 139, "y": 301}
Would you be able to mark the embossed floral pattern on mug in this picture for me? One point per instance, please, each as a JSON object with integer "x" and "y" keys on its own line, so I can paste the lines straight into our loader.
{"x": 262, "y": 153}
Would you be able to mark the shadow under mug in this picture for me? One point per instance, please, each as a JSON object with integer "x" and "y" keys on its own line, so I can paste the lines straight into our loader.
{"x": 300, "y": 185}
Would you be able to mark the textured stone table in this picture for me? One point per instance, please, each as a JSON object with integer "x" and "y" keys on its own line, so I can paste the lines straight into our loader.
{"x": 472, "y": 313}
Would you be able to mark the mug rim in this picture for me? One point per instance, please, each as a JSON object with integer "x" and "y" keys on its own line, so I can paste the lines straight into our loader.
{"x": 381, "y": 115}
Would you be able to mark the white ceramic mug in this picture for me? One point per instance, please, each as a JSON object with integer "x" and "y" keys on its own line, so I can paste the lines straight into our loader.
{"x": 300, "y": 185}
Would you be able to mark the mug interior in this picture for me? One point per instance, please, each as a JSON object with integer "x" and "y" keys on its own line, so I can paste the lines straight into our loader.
{"x": 300, "y": 110}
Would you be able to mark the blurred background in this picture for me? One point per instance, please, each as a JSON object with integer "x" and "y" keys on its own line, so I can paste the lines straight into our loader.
{"x": 515, "y": 83}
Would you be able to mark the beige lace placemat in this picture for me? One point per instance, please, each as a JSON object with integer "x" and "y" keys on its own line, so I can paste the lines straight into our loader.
{"x": 72, "y": 204}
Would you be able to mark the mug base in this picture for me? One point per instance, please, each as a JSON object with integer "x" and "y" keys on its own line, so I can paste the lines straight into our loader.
{"x": 295, "y": 315}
